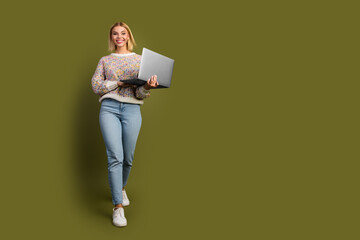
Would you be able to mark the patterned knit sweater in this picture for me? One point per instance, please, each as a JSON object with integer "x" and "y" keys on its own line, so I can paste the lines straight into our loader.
{"x": 115, "y": 67}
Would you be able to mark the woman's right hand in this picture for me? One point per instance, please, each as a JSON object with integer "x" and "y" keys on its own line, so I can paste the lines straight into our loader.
{"x": 122, "y": 84}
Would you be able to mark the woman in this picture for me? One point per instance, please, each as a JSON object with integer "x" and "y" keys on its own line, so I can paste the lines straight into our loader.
{"x": 120, "y": 116}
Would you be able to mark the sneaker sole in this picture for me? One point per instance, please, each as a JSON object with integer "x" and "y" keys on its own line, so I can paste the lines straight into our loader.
{"x": 120, "y": 225}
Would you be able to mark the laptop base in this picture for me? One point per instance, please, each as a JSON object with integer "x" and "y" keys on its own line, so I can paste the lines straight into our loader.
{"x": 140, "y": 82}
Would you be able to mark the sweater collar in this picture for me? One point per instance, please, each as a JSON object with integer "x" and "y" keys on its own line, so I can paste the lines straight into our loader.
{"x": 122, "y": 54}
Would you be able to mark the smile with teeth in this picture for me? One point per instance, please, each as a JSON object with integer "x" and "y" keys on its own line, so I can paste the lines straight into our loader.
{"x": 118, "y": 41}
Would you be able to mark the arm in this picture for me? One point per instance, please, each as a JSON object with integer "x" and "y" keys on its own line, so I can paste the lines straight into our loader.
{"x": 99, "y": 85}
{"x": 144, "y": 90}
{"x": 141, "y": 92}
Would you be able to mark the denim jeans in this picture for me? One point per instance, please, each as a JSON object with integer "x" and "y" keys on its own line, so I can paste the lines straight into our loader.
{"x": 120, "y": 125}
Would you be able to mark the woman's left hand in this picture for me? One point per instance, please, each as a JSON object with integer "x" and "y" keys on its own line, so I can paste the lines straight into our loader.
{"x": 151, "y": 83}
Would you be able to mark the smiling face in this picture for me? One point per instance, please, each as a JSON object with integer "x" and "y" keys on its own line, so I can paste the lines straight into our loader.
{"x": 120, "y": 36}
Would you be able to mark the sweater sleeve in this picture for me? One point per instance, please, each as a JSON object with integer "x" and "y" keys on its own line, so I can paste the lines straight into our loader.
{"x": 99, "y": 84}
{"x": 142, "y": 93}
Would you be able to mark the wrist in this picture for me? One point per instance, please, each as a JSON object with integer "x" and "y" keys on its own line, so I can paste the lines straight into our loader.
{"x": 146, "y": 86}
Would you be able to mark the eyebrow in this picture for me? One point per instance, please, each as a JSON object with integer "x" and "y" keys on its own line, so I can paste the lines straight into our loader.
{"x": 121, "y": 31}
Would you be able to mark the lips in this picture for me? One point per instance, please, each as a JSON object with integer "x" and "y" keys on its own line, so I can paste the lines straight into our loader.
{"x": 119, "y": 41}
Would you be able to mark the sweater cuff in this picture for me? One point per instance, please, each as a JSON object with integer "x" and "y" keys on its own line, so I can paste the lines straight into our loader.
{"x": 143, "y": 91}
{"x": 111, "y": 85}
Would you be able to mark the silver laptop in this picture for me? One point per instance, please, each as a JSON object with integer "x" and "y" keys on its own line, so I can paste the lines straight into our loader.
{"x": 153, "y": 63}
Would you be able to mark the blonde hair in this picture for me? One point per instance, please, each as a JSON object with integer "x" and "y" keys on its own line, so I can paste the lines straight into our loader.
{"x": 130, "y": 43}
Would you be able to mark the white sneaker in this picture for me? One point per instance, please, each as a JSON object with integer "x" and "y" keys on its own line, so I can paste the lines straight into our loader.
{"x": 119, "y": 219}
{"x": 126, "y": 201}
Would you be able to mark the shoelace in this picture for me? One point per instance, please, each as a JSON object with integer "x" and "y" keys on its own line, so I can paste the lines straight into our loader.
{"x": 118, "y": 212}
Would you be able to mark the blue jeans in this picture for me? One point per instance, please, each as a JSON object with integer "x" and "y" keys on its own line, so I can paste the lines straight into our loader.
{"x": 120, "y": 125}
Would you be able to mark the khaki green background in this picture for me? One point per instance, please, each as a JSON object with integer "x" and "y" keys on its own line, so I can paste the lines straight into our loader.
{"x": 257, "y": 138}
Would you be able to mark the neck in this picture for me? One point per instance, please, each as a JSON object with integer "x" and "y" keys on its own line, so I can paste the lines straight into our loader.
{"x": 122, "y": 50}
